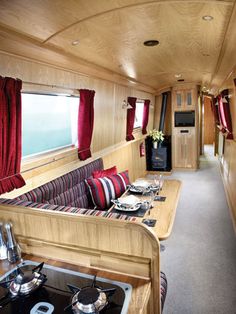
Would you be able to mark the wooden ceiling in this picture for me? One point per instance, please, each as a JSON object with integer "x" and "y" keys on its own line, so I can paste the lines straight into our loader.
{"x": 111, "y": 36}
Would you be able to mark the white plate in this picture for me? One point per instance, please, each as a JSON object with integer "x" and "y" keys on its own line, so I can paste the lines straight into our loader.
{"x": 137, "y": 189}
{"x": 141, "y": 183}
{"x": 129, "y": 200}
{"x": 129, "y": 209}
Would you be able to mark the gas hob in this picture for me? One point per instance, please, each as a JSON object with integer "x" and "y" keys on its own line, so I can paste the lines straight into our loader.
{"x": 33, "y": 288}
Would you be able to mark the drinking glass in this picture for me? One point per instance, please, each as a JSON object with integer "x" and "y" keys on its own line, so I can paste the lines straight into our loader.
{"x": 148, "y": 197}
{"x": 158, "y": 180}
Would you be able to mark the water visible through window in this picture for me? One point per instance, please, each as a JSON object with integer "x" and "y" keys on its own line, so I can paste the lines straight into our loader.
{"x": 49, "y": 122}
{"x": 139, "y": 114}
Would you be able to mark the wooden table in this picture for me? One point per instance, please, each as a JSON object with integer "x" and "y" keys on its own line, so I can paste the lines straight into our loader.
{"x": 164, "y": 212}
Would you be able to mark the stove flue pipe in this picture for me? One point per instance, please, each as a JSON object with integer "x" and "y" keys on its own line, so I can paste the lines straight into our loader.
{"x": 163, "y": 111}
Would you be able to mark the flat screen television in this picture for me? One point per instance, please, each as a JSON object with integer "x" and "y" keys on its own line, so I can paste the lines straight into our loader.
{"x": 184, "y": 118}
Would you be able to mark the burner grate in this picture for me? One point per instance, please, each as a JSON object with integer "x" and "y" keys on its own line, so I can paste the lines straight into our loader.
{"x": 56, "y": 295}
{"x": 22, "y": 284}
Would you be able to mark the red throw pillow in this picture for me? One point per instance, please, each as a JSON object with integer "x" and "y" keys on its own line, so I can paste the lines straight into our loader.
{"x": 104, "y": 173}
{"x": 103, "y": 190}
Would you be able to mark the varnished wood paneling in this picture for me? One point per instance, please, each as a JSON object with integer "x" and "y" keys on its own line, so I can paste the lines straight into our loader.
{"x": 228, "y": 171}
{"x": 132, "y": 248}
{"x": 209, "y": 122}
{"x": 228, "y": 161}
{"x": 109, "y": 125}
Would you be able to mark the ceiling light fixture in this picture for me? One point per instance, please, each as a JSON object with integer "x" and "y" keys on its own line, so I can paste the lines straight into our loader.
{"x": 207, "y": 18}
{"x": 178, "y": 75}
{"x": 151, "y": 43}
{"x": 75, "y": 42}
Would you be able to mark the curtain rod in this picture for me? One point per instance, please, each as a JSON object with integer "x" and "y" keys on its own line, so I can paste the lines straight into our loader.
{"x": 51, "y": 86}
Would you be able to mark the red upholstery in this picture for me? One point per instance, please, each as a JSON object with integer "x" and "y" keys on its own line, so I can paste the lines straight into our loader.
{"x": 104, "y": 173}
{"x": 103, "y": 190}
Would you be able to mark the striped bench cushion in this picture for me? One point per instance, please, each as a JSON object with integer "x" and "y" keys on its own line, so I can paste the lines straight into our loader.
{"x": 67, "y": 190}
{"x": 68, "y": 209}
{"x": 163, "y": 288}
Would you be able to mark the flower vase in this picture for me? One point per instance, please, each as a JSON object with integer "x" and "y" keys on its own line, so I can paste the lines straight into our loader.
{"x": 155, "y": 145}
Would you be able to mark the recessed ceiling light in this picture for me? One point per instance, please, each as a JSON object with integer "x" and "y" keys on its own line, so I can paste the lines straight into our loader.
{"x": 177, "y": 75}
{"x": 151, "y": 43}
{"x": 207, "y": 18}
{"x": 75, "y": 42}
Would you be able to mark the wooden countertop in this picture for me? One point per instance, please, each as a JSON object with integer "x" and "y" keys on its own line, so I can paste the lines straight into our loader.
{"x": 141, "y": 287}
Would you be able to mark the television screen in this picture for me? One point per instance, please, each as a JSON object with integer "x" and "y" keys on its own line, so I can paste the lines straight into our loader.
{"x": 184, "y": 118}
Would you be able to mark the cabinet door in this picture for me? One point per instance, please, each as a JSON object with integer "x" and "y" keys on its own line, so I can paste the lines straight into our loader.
{"x": 179, "y": 149}
{"x": 190, "y": 149}
{"x": 190, "y": 99}
{"x": 179, "y": 100}
{"x": 184, "y": 148}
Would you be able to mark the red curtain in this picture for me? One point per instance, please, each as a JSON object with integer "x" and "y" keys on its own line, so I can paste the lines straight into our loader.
{"x": 10, "y": 134}
{"x": 224, "y": 114}
{"x": 85, "y": 123}
{"x": 145, "y": 116}
{"x": 130, "y": 118}
{"x": 219, "y": 100}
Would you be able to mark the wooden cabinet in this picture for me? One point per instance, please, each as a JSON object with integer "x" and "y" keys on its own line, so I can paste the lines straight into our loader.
{"x": 184, "y": 99}
{"x": 185, "y": 139}
{"x": 184, "y": 148}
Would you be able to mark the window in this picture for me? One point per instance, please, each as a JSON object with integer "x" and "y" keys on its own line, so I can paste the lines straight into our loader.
{"x": 138, "y": 114}
{"x": 49, "y": 122}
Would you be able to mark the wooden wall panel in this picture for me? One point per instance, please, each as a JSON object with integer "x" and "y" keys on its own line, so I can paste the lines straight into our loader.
{"x": 228, "y": 161}
{"x": 209, "y": 123}
{"x": 110, "y": 118}
{"x": 109, "y": 125}
{"x": 107, "y": 244}
{"x": 228, "y": 171}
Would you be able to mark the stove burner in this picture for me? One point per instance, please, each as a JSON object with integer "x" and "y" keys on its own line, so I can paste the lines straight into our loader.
{"x": 89, "y": 300}
{"x": 23, "y": 284}
{"x": 88, "y": 295}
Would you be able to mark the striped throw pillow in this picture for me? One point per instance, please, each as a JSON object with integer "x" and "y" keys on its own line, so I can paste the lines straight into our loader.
{"x": 103, "y": 190}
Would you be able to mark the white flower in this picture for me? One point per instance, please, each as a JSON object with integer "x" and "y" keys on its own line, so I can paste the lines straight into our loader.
{"x": 157, "y": 136}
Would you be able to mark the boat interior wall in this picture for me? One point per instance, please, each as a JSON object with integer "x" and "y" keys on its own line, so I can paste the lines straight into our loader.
{"x": 209, "y": 123}
{"x": 228, "y": 160}
{"x": 109, "y": 125}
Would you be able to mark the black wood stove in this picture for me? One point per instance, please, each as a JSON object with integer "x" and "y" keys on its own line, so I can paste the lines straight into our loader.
{"x": 33, "y": 288}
